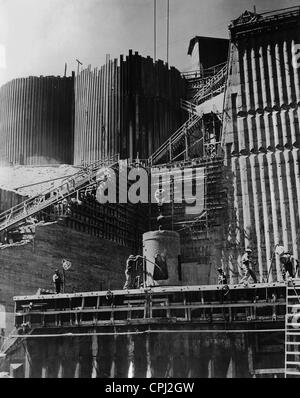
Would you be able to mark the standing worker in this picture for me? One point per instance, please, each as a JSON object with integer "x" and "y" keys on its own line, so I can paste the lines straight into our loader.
{"x": 57, "y": 281}
{"x": 130, "y": 272}
{"x": 222, "y": 280}
{"x": 247, "y": 267}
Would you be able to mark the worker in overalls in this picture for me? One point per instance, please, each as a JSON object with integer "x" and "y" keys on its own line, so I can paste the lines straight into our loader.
{"x": 222, "y": 280}
{"x": 247, "y": 267}
{"x": 57, "y": 280}
{"x": 130, "y": 272}
{"x": 289, "y": 265}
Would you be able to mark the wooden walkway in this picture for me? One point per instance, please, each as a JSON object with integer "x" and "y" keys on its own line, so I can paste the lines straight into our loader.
{"x": 254, "y": 305}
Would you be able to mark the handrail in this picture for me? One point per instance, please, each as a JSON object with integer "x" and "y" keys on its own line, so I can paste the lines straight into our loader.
{"x": 188, "y": 106}
{"x": 206, "y": 73}
{"x": 194, "y": 119}
{"x": 207, "y": 89}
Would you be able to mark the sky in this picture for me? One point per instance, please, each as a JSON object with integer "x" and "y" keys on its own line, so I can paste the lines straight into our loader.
{"x": 37, "y": 37}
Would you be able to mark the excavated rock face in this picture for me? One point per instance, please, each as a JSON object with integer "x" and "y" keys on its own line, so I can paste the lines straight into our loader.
{"x": 31, "y": 180}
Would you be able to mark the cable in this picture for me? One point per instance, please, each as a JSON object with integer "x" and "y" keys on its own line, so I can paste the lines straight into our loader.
{"x": 154, "y": 20}
{"x": 168, "y": 28}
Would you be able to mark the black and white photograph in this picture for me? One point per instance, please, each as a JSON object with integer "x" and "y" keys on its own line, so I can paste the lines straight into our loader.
{"x": 149, "y": 191}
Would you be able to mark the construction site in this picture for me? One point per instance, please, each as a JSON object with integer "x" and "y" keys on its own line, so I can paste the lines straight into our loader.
{"x": 227, "y": 133}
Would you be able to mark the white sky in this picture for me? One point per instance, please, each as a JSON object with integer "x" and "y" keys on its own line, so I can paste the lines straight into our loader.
{"x": 39, "y": 36}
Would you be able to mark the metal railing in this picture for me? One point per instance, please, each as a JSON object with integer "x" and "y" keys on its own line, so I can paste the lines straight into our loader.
{"x": 181, "y": 132}
{"x": 215, "y": 85}
{"x": 204, "y": 74}
{"x": 188, "y": 106}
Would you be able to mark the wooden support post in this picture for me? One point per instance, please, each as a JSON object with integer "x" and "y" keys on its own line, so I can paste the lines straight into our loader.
{"x": 231, "y": 371}
{"x": 27, "y": 373}
{"x": 45, "y": 372}
{"x": 60, "y": 371}
{"x": 250, "y": 358}
{"x": 114, "y": 354}
{"x": 131, "y": 368}
{"x": 211, "y": 368}
{"x": 148, "y": 358}
{"x": 77, "y": 370}
{"x": 170, "y": 367}
{"x": 95, "y": 369}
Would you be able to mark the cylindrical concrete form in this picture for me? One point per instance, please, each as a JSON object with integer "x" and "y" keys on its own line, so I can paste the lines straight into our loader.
{"x": 163, "y": 249}
{"x": 36, "y": 121}
{"x": 129, "y": 107}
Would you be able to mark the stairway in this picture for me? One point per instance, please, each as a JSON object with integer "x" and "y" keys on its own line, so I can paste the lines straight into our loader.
{"x": 292, "y": 330}
{"x": 92, "y": 174}
{"x": 188, "y": 107}
{"x": 176, "y": 146}
{"x": 214, "y": 86}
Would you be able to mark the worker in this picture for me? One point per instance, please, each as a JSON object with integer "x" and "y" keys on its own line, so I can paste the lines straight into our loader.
{"x": 222, "y": 280}
{"x": 130, "y": 271}
{"x": 64, "y": 206}
{"x": 110, "y": 298}
{"x": 139, "y": 274}
{"x": 289, "y": 264}
{"x": 247, "y": 267}
{"x": 57, "y": 280}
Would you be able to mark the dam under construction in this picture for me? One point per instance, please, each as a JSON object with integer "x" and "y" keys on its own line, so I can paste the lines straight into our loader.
{"x": 184, "y": 186}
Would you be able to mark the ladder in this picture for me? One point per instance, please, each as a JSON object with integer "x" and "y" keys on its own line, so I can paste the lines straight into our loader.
{"x": 292, "y": 330}
{"x": 91, "y": 175}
